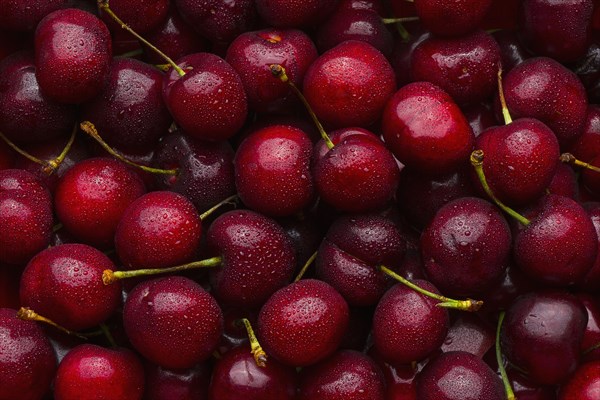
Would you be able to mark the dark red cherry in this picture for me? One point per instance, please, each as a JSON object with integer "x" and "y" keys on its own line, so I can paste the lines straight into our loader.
{"x": 172, "y": 321}
{"x": 10, "y": 276}
{"x": 93, "y": 372}
{"x": 480, "y": 117}
{"x": 130, "y": 113}
{"x": 168, "y": 384}
{"x": 257, "y": 258}
{"x": 409, "y": 326}
{"x": 469, "y": 333}
{"x": 590, "y": 179}
{"x": 426, "y": 130}
{"x": 158, "y": 230}
{"x": 28, "y": 362}
{"x": 452, "y": 17}
{"x": 465, "y": 67}
{"x": 520, "y": 160}
{"x": 402, "y": 55}
{"x": 64, "y": 284}
{"x": 372, "y": 5}
{"x": 525, "y": 389}
{"x": 349, "y": 85}
{"x": 591, "y": 336}
{"x": 512, "y": 52}
{"x": 91, "y": 197}
{"x": 25, "y": 216}
{"x": 559, "y": 246}
{"x": 584, "y": 384}
{"x": 399, "y": 378}
{"x": 7, "y": 156}
{"x": 544, "y": 89}
{"x": 72, "y": 55}
{"x": 305, "y": 232}
{"x": 560, "y": 30}
{"x": 591, "y": 282}
{"x": 140, "y": 15}
{"x": 205, "y": 171}
{"x": 26, "y": 115}
{"x": 272, "y": 171}
{"x": 466, "y": 246}
{"x": 252, "y": 53}
{"x": 24, "y": 16}
{"x": 347, "y": 374}
{"x": 295, "y": 13}
{"x": 542, "y": 335}
{"x": 209, "y": 101}
{"x": 564, "y": 182}
{"x": 456, "y": 375}
{"x": 303, "y": 323}
{"x": 587, "y": 145}
{"x": 512, "y": 284}
{"x": 237, "y": 376}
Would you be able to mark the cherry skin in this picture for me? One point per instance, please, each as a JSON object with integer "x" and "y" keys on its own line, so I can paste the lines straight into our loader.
{"x": 542, "y": 335}
{"x": 272, "y": 171}
{"x": 294, "y": 14}
{"x": 72, "y": 55}
{"x": 456, "y": 374}
{"x": 466, "y": 246}
{"x": 349, "y": 85}
{"x": 25, "y": 216}
{"x": 347, "y": 374}
{"x": 26, "y": 115}
{"x": 408, "y": 326}
{"x": 167, "y": 384}
{"x": 426, "y": 130}
{"x": 402, "y": 55}
{"x": 18, "y": 16}
{"x": 303, "y": 323}
{"x": 252, "y": 53}
{"x": 465, "y": 67}
{"x": 130, "y": 113}
{"x": 480, "y": 117}
{"x": 584, "y": 384}
{"x": 588, "y": 145}
{"x": 452, "y": 18}
{"x": 141, "y": 16}
{"x": 512, "y": 52}
{"x": 176, "y": 308}
{"x": 64, "y": 284}
{"x": 209, "y": 101}
{"x": 591, "y": 282}
{"x": 469, "y": 333}
{"x": 95, "y": 373}
{"x": 28, "y": 361}
{"x": 236, "y": 376}
{"x": 564, "y": 182}
{"x": 257, "y": 258}
{"x": 591, "y": 336}
{"x": 91, "y": 197}
{"x": 158, "y": 230}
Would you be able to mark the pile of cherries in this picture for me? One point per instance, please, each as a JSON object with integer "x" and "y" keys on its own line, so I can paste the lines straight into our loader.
{"x": 300, "y": 199}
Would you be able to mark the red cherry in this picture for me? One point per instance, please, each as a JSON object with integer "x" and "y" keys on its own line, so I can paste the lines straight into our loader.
{"x": 452, "y": 17}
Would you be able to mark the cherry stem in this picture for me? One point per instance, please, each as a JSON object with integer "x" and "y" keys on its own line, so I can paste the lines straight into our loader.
{"x": 132, "y": 53}
{"x": 108, "y": 335}
{"x": 571, "y": 159}
{"x": 510, "y": 395}
{"x": 260, "y": 357}
{"x": 395, "y": 20}
{"x": 592, "y": 348}
{"x": 278, "y": 71}
{"x": 463, "y": 305}
{"x": 91, "y": 130}
{"x": 505, "y": 112}
{"x": 103, "y": 5}
{"x": 109, "y": 276}
{"x": 229, "y": 200}
{"x": 54, "y": 164}
{"x": 27, "y": 314}
{"x": 305, "y": 267}
{"x": 477, "y": 162}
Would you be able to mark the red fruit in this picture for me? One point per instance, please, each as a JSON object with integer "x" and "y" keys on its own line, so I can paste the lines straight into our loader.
{"x": 25, "y": 15}
{"x": 452, "y": 17}
{"x": 584, "y": 384}
{"x": 588, "y": 145}
{"x": 294, "y": 13}
{"x": 186, "y": 384}
{"x": 140, "y": 15}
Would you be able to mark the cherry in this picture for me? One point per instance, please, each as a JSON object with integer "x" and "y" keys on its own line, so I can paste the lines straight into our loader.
{"x": 25, "y": 216}
{"x": 584, "y": 384}
{"x": 542, "y": 335}
{"x": 130, "y": 112}
{"x": 480, "y": 117}
{"x": 27, "y": 360}
{"x": 425, "y": 129}
{"x": 347, "y": 374}
{"x": 524, "y": 389}
{"x": 178, "y": 309}
{"x": 591, "y": 336}
{"x": 372, "y": 5}
{"x": 306, "y": 234}
{"x": 591, "y": 282}
{"x": 142, "y": 16}
{"x": 469, "y": 333}
{"x": 257, "y": 258}
{"x": 207, "y": 101}
{"x": 64, "y": 284}
{"x": 72, "y": 55}
{"x": 303, "y": 323}
{"x": 187, "y": 384}
{"x": 561, "y": 30}
{"x": 464, "y": 67}
{"x": 408, "y": 326}
{"x": 236, "y": 376}
{"x": 466, "y": 246}
{"x": 272, "y": 167}
{"x": 26, "y": 115}
{"x": 294, "y": 14}
{"x": 402, "y": 55}
{"x": 452, "y": 17}
{"x": 512, "y": 284}
{"x": 92, "y": 196}
{"x": 587, "y": 145}
{"x": 455, "y": 375}
{"x": 93, "y": 372}
{"x": 399, "y": 378}
{"x": 157, "y": 230}
{"x": 252, "y": 53}
{"x": 24, "y": 16}
{"x": 349, "y": 85}
{"x": 512, "y": 52}
{"x": 564, "y": 182}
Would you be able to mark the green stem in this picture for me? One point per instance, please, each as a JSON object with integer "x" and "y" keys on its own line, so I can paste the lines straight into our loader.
{"x": 278, "y": 71}
{"x": 400, "y": 20}
{"x": 571, "y": 159}
{"x": 260, "y": 357}
{"x": 305, "y": 267}
{"x": 109, "y": 276}
{"x": 464, "y": 305}
{"x": 505, "y": 112}
{"x": 108, "y": 335}
{"x": 229, "y": 200}
{"x": 27, "y": 314}
{"x": 510, "y": 395}
{"x": 23, "y": 152}
{"x": 54, "y": 164}
{"x": 477, "y": 162}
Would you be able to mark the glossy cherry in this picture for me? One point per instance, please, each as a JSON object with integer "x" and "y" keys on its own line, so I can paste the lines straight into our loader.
{"x": 587, "y": 145}
{"x": 452, "y": 17}
{"x": 141, "y": 16}
{"x": 167, "y": 384}
{"x": 512, "y": 52}
{"x": 584, "y": 384}
{"x": 591, "y": 282}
